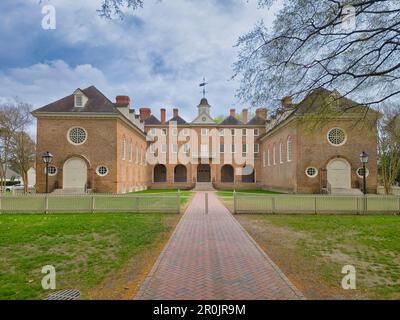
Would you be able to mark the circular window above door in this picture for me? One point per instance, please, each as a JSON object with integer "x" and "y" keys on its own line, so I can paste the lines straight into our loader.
{"x": 77, "y": 136}
{"x": 337, "y": 137}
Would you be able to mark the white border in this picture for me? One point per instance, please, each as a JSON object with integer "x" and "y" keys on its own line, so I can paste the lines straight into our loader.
{"x": 316, "y": 172}
{"x": 366, "y": 171}
{"x": 73, "y": 143}
{"x": 337, "y": 145}
{"x": 98, "y": 173}
{"x": 51, "y": 175}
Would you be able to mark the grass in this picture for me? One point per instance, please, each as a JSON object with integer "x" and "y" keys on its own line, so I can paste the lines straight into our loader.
{"x": 185, "y": 194}
{"x": 314, "y": 249}
{"x": 85, "y": 249}
{"x": 229, "y": 193}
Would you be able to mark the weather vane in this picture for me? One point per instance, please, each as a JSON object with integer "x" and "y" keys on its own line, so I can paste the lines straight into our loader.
{"x": 203, "y": 85}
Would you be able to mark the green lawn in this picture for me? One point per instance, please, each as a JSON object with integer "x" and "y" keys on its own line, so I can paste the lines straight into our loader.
{"x": 229, "y": 193}
{"x": 185, "y": 194}
{"x": 85, "y": 249}
{"x": 317, "y": 247}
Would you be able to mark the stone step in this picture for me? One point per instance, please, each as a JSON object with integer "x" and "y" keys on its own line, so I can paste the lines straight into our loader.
{"x": 204, "y": 186}
{"x": 346, "y": 192}
{"x": 70, "y": 191}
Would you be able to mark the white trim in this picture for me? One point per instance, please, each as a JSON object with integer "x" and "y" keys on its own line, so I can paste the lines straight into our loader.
{"x": 73, "y": 143}
{"x": 366, "y": 171}
{"x": 99, "y": 174}
{"x": 345, "y": 137}
{"x": 312, "y": 176}
{"x": 51, "y": 174}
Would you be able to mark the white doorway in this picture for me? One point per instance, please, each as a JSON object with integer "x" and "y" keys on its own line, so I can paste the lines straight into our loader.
{"x": 339, "y": 174}
{"x": 74, "y": 174}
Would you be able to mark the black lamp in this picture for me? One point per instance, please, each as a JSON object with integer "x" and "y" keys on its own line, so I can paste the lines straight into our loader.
{"x": 47, "y": 159}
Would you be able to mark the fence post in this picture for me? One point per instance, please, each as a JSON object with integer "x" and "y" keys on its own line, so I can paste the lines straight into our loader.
{"x": 93, "y": 204}
{"x": 137, "y": 204}
{"x": 206, "y": 202}
{"x": 234, "y": 202}
{"x": 46, "y": 204}
{"x": 178, "y": 204}
{"x": 315, "y": 205}
{"x": 273, "y": 205}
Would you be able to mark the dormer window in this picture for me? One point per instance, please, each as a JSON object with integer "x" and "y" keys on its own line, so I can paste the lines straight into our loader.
{"x": 78, "y": 101}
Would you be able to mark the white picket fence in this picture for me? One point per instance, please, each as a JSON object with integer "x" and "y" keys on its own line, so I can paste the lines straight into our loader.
{"x": 39, "y": 203}
{"x": 315, "y": 204}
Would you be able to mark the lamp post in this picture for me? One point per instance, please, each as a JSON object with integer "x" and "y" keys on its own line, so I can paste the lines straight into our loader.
{"x": 364, "y": 159}
{"x": 47, "y": 159}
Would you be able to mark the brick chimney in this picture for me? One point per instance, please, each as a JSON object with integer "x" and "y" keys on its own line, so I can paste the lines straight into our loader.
{"x": 287, "y": 102}
{"x": 233, "y": 113}
{"x": 163, "y": 116}
{"x": 245, "y": 115}
{"x": 176, "y": 113}
{"x": 123, "y": 100}
{"x": 262, "y": 113}
{"x": 145, "y": 113}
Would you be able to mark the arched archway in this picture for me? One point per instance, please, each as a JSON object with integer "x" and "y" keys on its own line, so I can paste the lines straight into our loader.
{"x": 160, "y": 173}
{"x": 248, "y": 174}
{"x": 203, "y": 173}
{"x": 227, "y": 174}
{"x": 180, "y": 173}
{"x": 75, "y": 174}
{"x": 339, "y": 174}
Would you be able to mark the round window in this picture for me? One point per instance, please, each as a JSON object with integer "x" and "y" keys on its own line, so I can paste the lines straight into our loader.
{"x": 360, "y": 172}
{"x": 52, "y": 170}
{"x": 77, "y": 136}
{"x": 337, "y": 137}
{"x": 311, "y": 172}
{"x": 102, "y": 171}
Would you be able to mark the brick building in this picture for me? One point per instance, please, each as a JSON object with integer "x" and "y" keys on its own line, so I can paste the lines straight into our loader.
{"x": 108, "y": 147}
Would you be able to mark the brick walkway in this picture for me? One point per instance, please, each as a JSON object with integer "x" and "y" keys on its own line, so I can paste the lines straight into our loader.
{"x": 211, "y": 257}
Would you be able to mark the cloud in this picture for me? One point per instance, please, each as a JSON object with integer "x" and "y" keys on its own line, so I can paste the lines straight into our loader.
{"x": 157, "y": 55}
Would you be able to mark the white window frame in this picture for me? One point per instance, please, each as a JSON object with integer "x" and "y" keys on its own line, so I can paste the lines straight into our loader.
{"x": 204, "y": 132}
{"x": 366, "y": 172}
{"x": 312, "y": 176}
{"x": 281, "y": 155}
{"x": 244, "y": 148}
{"x": 233, "y": 132}
{"x": 221, "y": 132}
{"x": 233, "y": 150}
{"x": 274, "y": 154}
{"x": 51, "y": 174}
{"x": 123, "y": 151}
{"x": 79, "y": 96}
{"x": 164, "y": 132}
{"x": 136, "y": 154}
{"x": 221, "y": 148}
{"x": 186, "y": 148}
{"x": 256, "y": 148}
{"x": 268, "y": 158}
{"x": 264, "y": 159}
{"x": 175, "y": 132}
{"x": 337, "y": 145}
{"x": 174, "y": 148}
{"x": 185, "y": 131}
{"x": 153, "y": 132}
{"x": 74, "y": 143}
{"x": 101, "y": 174}
{"x": 244, "y": 132}
{"x": 152, "y": 148}
{"x": 163, "y": 148}
{"x": 256, "y": 132}
{"x": 130, "y": 152}
{"x": 289, "y": 149}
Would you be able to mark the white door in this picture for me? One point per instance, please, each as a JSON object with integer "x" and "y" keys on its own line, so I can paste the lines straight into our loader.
{"x": 74, "y": 174}
{"x": 339, "y": 174}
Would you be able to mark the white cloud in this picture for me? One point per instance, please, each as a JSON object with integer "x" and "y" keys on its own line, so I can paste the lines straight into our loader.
{"x": 157, "y": 55}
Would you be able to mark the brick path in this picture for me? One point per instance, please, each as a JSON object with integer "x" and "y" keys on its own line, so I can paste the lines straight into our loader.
{"x": 212, "y": 257}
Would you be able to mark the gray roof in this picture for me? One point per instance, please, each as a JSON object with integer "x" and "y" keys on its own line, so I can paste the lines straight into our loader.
{"x": 12, "y": 174}
{"x": 97, "y": 102}
{"x": 256, "y": 121}
{"x": 178, "y": 120}
{"x": 152, "y": 120}
{"x": 231, "y": 121}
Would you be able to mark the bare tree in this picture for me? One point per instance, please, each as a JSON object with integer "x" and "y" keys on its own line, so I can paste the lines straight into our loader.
{"x": 14, "y": 118}
{"x": 23, "y": 150}
{"x": 324, "y": 43}
{"x": 389, "y": 148}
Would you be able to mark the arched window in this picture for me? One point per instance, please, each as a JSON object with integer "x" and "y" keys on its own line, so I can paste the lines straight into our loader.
{"x": 180, "y": 173}
{"x": 274, "y": 154}
{"x": 123, "y": 148}
{"x": 248, "y": 174}
{"x": 268, "y": 158}
{"x": 281, "y": 152}
{"x": 227, "y": 174}
{"x": 130, "y": 152}
{"x": 160, "y": 173}
{"x": 289, "y": 149}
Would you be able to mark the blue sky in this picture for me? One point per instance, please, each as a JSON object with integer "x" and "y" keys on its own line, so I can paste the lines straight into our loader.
{"x": 157, "y": 55}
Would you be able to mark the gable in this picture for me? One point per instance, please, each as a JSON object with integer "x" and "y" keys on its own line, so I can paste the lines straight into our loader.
{"x": 203, "y": 118}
